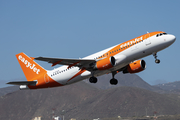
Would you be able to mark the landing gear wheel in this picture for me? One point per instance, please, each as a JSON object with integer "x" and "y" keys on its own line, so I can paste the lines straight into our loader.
{"x": 93, "y": 80}
{"x": 114, "y": 81}
{"x": 157, "y": 61}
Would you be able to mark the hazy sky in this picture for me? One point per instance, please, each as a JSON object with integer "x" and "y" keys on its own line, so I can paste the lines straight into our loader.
{"x": 78, "y": 28}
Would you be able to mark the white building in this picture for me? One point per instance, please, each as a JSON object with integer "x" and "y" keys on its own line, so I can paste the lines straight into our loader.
{"x": 37, "y": 118}
{"x": 56, "y": 118}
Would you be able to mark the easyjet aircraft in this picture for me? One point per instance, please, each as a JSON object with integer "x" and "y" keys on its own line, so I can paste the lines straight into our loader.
{"x": 124, "y": 57}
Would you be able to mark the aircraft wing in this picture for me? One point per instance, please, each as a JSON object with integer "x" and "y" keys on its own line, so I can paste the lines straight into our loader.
{"x": 70, "y": 62}
{"x": 22, "y": 83}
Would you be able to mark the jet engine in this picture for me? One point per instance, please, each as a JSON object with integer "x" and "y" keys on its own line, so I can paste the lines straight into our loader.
{"x": 23, "y": 87}
{"x": 105, "y": 63}
{"x": 135, "y": 67}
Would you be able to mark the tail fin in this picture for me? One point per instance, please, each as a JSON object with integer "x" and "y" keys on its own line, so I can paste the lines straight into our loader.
{"x": 30, "y": 68}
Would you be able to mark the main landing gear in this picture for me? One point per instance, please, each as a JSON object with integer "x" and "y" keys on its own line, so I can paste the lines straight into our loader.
{"x": 113, "y": 81}
{"x": 156, "y": 60}
{"x": 93, "y": 79}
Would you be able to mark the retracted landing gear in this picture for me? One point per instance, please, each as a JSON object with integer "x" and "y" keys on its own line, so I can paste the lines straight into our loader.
{"x": 156, "y": 60}
{"x": 93, "y": 79}
{"x": 114, "y": 81}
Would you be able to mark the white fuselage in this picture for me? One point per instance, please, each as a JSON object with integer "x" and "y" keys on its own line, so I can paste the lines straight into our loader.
{"x": 148, "y": 46}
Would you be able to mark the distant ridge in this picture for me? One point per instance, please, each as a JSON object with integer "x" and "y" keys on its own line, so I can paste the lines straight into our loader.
{"x": 6, "y": 90}
{"x": 131, "y": 80}
{"x": 171, "y": 87}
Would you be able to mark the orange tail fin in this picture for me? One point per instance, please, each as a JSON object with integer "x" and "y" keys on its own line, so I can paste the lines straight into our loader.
{"x": 30, "y": 68}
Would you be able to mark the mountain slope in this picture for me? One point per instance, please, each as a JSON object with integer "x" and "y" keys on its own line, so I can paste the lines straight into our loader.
{"x": 131, "y": 80}
{"x": 83, "y": 101}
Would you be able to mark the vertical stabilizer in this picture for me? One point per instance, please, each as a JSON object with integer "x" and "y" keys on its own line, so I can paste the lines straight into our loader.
{"x": 30, "y": 68}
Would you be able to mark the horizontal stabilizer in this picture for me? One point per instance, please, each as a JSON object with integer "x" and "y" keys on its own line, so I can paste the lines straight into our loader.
{"x": 23, "y": 83}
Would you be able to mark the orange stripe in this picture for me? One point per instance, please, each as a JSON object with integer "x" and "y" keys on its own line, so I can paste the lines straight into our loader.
{"x": 53, "y": 64}
{"x": 80, "y": 72}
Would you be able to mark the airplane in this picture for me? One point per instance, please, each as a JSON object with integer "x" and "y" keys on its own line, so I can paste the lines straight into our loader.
{"x": 124, "y": 57}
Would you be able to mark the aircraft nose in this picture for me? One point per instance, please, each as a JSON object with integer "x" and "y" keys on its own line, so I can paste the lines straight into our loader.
{"x": 171, "y": 39}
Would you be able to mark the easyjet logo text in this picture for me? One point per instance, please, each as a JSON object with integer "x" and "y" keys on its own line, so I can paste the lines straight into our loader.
{"x": 132, "y": 42}
{"x": 29, "y": 65}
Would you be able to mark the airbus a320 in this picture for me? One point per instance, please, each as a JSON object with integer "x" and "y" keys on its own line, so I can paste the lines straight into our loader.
{"x": 124, "y": 57}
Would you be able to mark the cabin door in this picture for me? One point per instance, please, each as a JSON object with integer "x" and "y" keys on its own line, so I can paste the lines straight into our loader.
{"x": 147, "y": 40}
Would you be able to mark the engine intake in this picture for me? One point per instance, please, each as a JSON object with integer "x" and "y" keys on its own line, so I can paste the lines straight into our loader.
{"x": 105, "y": 63}
{"x": 135, "y": 67}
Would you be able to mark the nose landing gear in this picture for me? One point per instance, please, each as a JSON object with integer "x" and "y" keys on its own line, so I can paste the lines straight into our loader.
{"x": 156, "y": 60}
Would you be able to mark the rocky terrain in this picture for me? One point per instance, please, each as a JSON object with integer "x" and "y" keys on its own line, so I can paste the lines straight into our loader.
{"x": 131, "y": 97}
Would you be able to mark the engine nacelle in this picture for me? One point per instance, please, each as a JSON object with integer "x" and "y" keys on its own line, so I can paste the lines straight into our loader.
{"x": 105, "y": 63}
{"x": 23, "y": 87}
{"x": 135, "y": 67}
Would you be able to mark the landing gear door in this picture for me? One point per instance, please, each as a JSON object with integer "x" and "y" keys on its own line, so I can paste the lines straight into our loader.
{"x": 147, "y": 39}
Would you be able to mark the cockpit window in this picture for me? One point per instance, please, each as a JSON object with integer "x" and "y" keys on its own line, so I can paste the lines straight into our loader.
{"x": 161, "y": 34}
